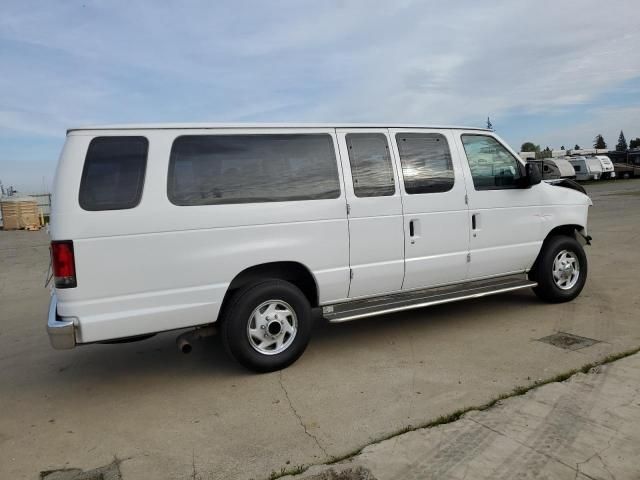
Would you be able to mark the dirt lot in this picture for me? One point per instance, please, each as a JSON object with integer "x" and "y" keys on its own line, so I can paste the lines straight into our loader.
{"x": 159, "y": 414}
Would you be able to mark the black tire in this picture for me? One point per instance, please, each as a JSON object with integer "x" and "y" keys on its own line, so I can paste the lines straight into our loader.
{"x": 626, "y": 175}
{"x": 237, "y": 316}
{"x": 542, "y": 272}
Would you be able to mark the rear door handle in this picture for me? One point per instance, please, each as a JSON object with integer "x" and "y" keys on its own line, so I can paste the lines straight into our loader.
{"x": 473, "y": 221}
{"x": 411, "y": 229}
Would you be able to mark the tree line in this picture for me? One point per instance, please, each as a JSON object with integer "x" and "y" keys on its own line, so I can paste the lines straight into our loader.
{"x": 598, "y": 142}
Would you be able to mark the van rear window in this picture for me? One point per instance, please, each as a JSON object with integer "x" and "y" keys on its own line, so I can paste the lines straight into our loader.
{"x": 113, "y": 174}
{"x": 224, "y": 169}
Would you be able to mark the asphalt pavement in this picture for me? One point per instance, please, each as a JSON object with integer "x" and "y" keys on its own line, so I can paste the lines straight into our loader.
{"x": 144, "y": 410}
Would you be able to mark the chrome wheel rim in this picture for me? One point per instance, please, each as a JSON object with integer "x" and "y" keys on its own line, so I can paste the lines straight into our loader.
{"x": 272, "y": 327}
{"x": 566, "y": 270}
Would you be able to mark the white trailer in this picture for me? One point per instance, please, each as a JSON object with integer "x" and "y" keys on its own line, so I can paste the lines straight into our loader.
{"x": 585, "y": 168}
{"x": 555, "y": 168}
{"x": 608, "y": 170}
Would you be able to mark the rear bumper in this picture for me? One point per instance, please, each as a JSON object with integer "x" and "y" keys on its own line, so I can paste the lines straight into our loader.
{"x": 62, "y": 333}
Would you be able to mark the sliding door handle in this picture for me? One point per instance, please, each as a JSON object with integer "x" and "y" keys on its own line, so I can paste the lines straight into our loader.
{"x": 412, "y": 230}
{"x": 475, "y": 224}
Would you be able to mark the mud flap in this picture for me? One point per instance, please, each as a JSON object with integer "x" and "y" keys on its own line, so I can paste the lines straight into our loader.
{"x": 587, "y": 238}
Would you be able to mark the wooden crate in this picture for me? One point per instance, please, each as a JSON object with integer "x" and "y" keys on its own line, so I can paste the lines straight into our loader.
{"x": 19, "y": 213}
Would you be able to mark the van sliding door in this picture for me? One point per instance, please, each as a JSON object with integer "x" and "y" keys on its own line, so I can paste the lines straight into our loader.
{"x": 436, "y": 219}
{"x": 374, "y": 210}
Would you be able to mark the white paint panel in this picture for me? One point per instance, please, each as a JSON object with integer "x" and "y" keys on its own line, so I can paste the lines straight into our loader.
{"x": 377, "y": 256}
{"x": 439, "y": 254}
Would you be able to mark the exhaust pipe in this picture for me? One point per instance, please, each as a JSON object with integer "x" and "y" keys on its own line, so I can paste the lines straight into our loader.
{"x": 184, "y": 340}
{"x": 183, "y": 343}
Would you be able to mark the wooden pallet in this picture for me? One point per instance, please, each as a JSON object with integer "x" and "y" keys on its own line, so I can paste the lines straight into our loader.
{"x": 20, "y": 213}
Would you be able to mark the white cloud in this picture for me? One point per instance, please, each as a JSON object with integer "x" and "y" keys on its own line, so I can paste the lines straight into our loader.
{"x": 607, "y": 121}
{"x": 352, "y": 60}
{"x": 415, "y": 59}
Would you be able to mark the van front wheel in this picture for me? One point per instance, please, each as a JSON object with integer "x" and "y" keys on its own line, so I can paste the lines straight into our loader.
{"x": 561, "y": 270}
{"x": 267, "y": 326}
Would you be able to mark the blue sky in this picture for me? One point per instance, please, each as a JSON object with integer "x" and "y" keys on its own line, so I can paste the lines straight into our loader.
{"x": 556, "y": 73}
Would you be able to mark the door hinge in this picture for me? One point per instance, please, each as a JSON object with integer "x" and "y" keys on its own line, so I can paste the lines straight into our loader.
{"x": 466, "y": 199}
{"x": 351, "y": 273}
{"x": 468, "y": 257}
{"x": 348, "y": 209}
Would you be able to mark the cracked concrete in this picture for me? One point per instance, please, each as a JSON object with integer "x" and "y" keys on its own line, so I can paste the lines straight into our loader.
{"x": 108, "y": 472}
{"x": 357, "y": 382}
{"x": 357, "y": 473}
{"x": 587, "y": 427}
{"x": 302, "y": 424}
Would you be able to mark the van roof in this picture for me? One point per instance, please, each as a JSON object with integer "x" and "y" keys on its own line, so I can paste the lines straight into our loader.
{"x": 185, "y": 126}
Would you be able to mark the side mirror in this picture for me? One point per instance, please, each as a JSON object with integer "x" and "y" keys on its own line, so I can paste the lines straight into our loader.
{"x": 533, "y": 175}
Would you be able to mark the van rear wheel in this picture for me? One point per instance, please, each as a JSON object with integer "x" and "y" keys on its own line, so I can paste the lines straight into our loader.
{"x": 561, "y": 270}
{"x": 267, "y": 326}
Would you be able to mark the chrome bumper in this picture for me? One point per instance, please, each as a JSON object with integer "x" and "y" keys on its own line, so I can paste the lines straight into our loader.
{"x": 61, "y": 332}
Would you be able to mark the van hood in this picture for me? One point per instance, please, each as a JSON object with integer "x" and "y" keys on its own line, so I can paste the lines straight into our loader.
{"x": 568, "y": 183}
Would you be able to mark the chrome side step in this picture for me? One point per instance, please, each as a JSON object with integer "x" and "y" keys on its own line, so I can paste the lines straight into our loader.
{"x": 398, "y": 302}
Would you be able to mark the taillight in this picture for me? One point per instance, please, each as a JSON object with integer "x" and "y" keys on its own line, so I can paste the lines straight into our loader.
{"x": 63, "y": 262}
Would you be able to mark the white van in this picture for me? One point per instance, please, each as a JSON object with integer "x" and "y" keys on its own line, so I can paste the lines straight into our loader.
{"x": 608, "y": 171}
{"x": 249, "y": 228}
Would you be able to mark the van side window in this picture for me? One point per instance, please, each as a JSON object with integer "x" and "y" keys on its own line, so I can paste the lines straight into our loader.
{"x": 492, "y": 165}
{"x": 426, "y": 162}
{"x": 113, "y": 173}
{"x": 224, "y": 169}
{"x": 371, "y": 167}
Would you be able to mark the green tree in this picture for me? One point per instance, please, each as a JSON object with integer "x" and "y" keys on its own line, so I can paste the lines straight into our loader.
{"x": 489, "y": 124}
{"x": 599, "y": 142}
{"x": 546, "y": 153}
{"x": 621, "y": 146}
{"x": 562, "y": 147}
{"x": 576, "y": 147}
{"x": 635, "y": 143}
{"x": 529, "y": 147}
